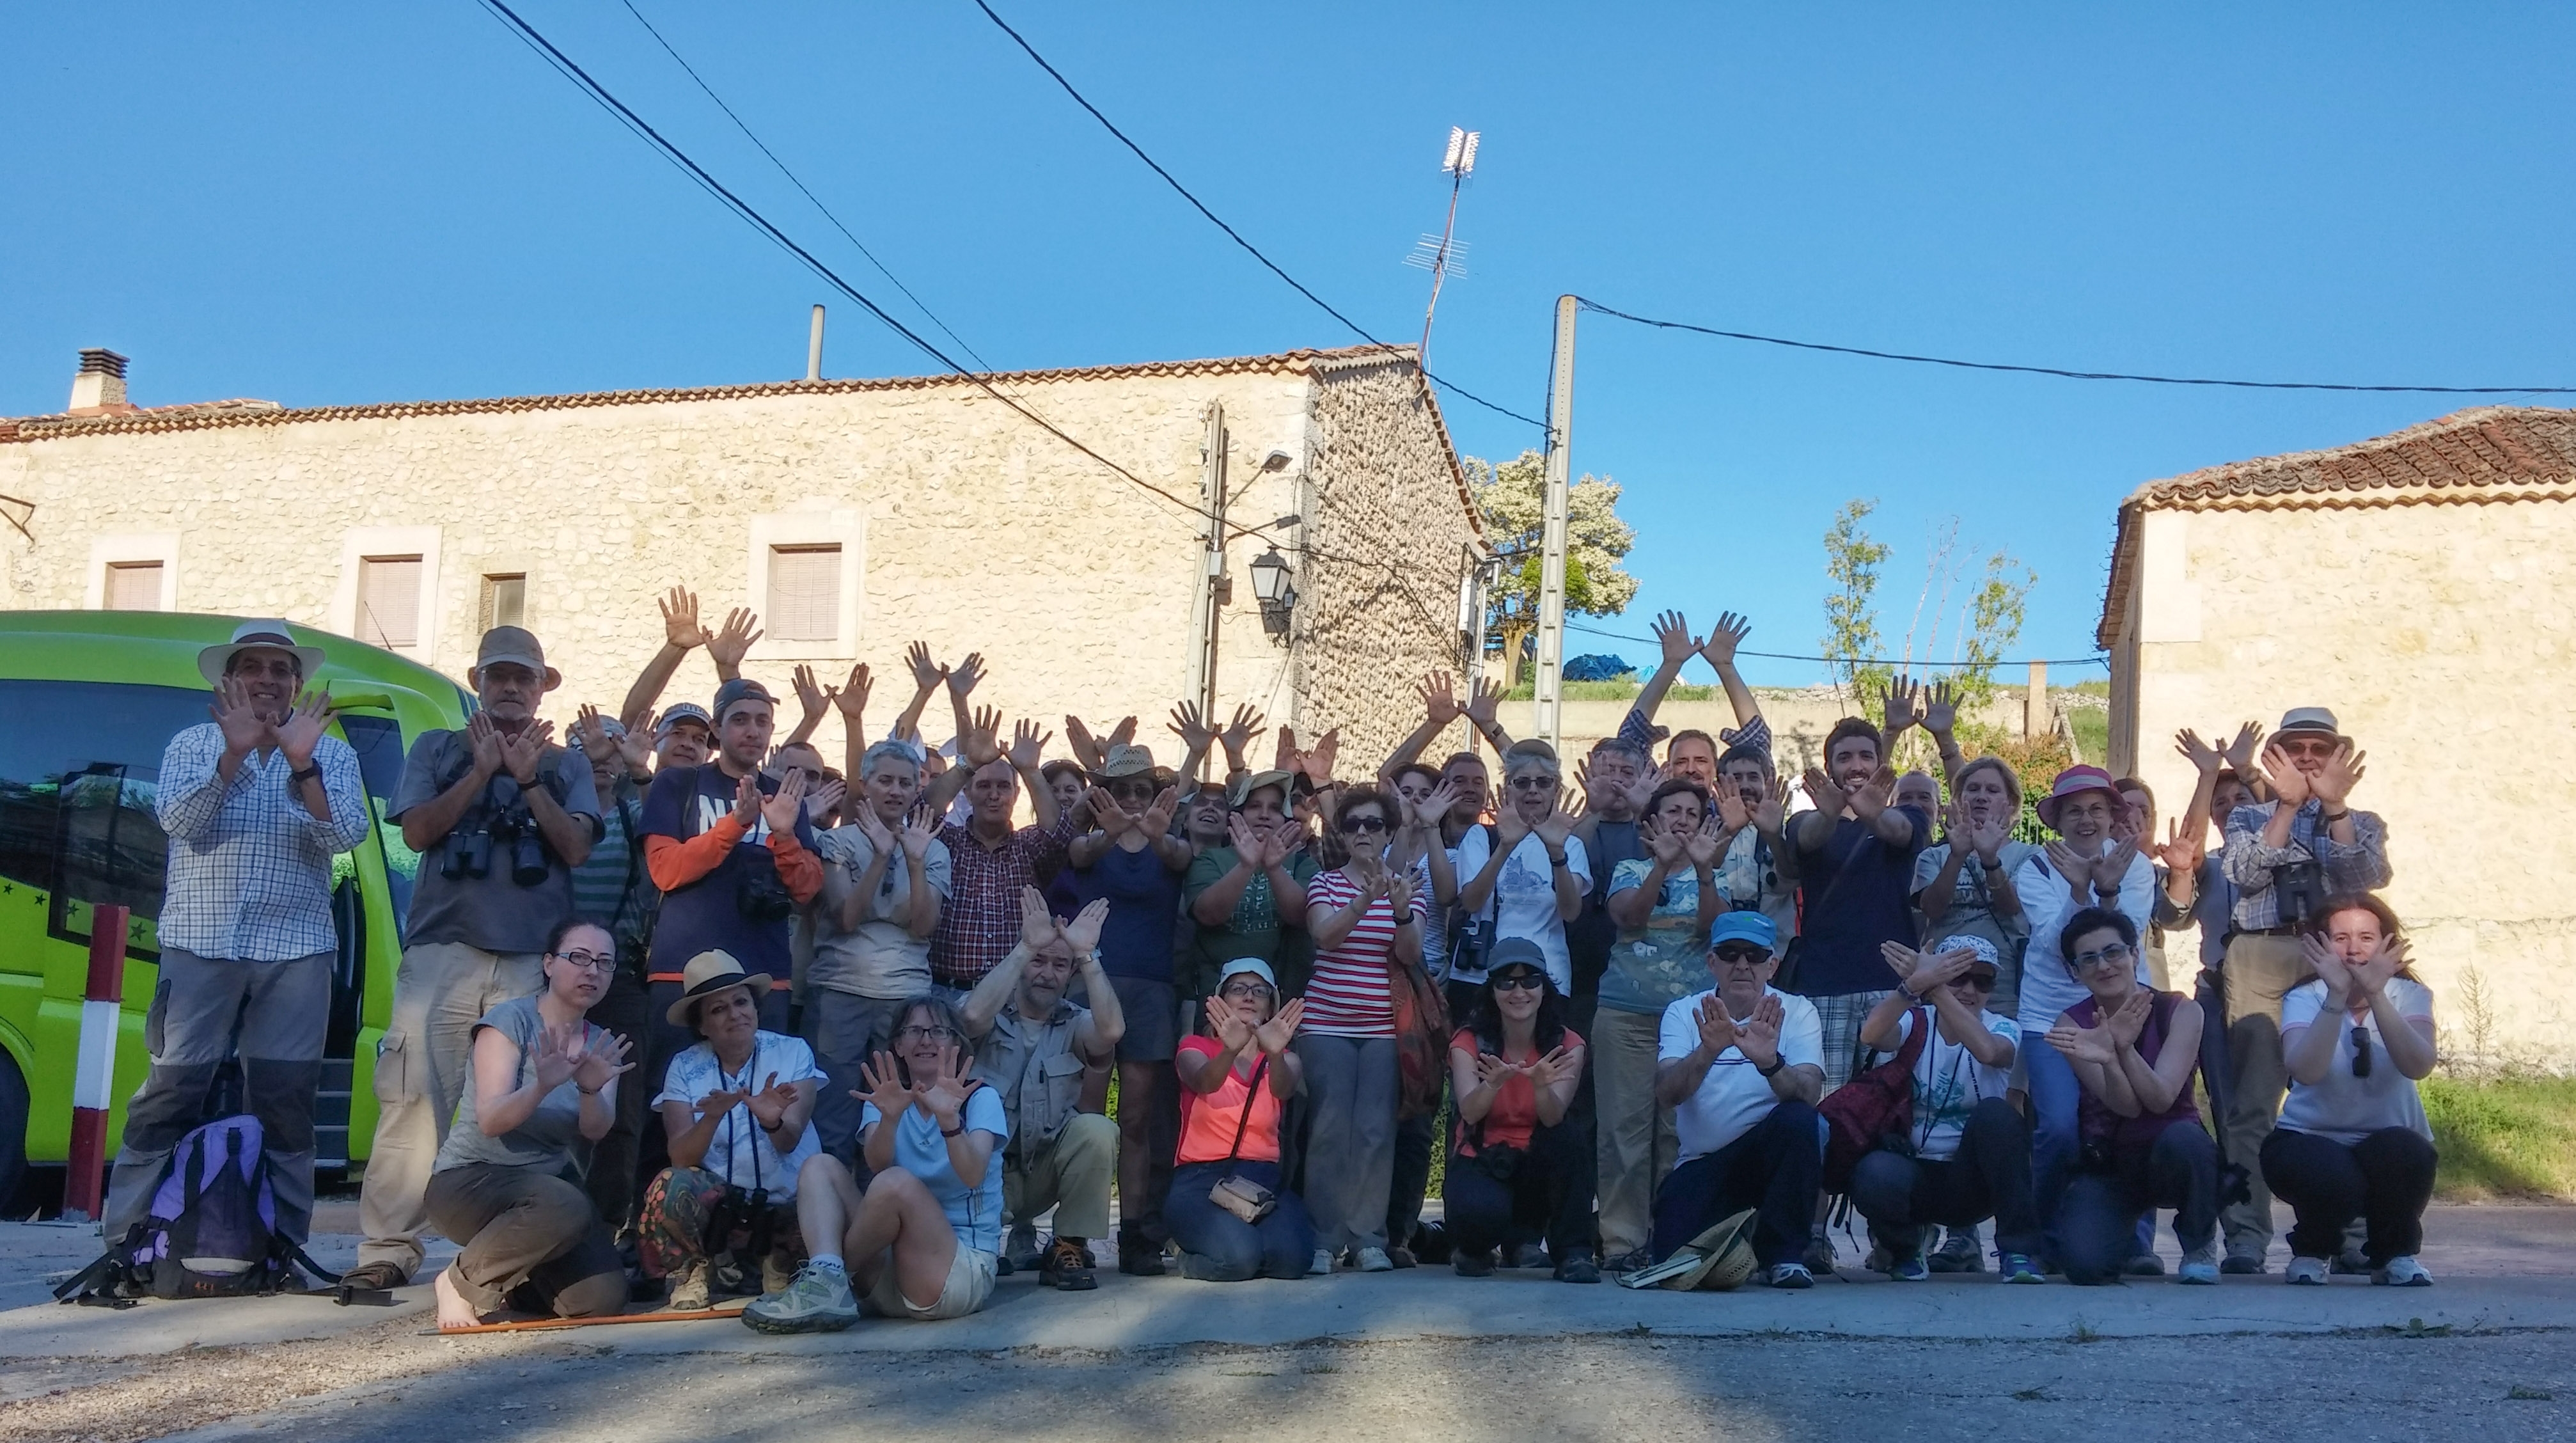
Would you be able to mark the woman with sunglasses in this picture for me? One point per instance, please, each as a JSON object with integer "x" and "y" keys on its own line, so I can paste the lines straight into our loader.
{"x": 1366, "y": 919}
{"x": 1516, "y": 1173}
{"x": 540, "y": 1088}
{"x": 1527, "y": 872}
{"x": 2133, "y": 1051}
{"x": 1234, "y": 1086}
{"x": 1970, "y": 1157}
{"x": 2353, "y": 1141}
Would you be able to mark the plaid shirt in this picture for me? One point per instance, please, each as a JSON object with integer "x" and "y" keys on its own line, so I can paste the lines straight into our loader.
{"x": 250, "y": 869}
{"x": 981, "y": 921}
{"x": 1636, "y": 730}
{"x": 2361, "y": 867}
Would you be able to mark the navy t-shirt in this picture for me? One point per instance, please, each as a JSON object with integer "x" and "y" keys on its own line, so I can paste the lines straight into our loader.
{"x": 1589, "y": 937}
{"x": 708, "y": 913}
{"x": 1144, "y": 896}
{"x": 1853, "y": 895}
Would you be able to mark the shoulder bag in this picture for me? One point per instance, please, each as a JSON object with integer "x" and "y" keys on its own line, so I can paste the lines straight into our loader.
{"x": 1234, "y": 1192}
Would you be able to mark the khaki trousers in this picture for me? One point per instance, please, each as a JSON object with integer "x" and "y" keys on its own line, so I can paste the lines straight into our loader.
{"x": 1070, "y": 1174}
{"x": 2260, "y": 970}
{"x": 441, "y": 990}
{"x": 1637, "y": 1144}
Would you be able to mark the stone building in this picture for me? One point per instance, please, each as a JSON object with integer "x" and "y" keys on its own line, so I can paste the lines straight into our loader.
{"x": 854, "y": 515}
{"x": 2423, "y": 585}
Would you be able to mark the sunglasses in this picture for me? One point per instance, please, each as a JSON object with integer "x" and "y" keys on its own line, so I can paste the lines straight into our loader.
{"x": 2360, "y": 1053}
{"x": 1520, "y": 982}
{"x": 1976, "y": 981}
{"x": 1532, "y": 784}
{"x": 1361, "y": 826}
{"x": 1743, "y": 956}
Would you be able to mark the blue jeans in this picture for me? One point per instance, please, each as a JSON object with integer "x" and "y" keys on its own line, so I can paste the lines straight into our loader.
{"x": 2054, "y": 1139}
{"x": 1281, "y": 1245}
{"x": 2096, "y": 1221}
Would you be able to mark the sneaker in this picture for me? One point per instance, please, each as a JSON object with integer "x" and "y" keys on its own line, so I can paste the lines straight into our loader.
{"x": 1373, "y": 1260}
{"x": 1578, "y": 1267}
{"x": 1477, "y": 1264}
{"x": 2022, "y": 1268}
{"x": 1403, "y": 1257}
{"x": 818, "y": 1301}
{"x": 690, "y": 1290}
{"x": 1959, "y": 1253}
{"x": 2402, "y": 1272}
{"x": 1631, "y": 1261}
{"x": 1528, "y": 1255}
{"x": 2144, "y": 1265}
{"x": 2244, "y": 1265}
{"x": 1065, "y": 1269}
{"x": 1020, "y": 1252}
{"x": 776, "y": 1271}
{"x": 1789, "y": 1275}
{"x": 2199, "y": 1266}
{"x": 1323, "y": 1262}
{"x": 1818, "y": 1261}
{"x": 2307, "y": 1272}
{"x": 1878, "y": 1260}
{"x": 1909, "y": 1270}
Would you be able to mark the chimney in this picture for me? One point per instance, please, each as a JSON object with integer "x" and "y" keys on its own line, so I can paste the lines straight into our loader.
{"x": 100, "y": 383}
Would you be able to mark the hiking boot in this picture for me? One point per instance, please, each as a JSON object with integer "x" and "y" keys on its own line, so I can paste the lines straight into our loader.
{"x": 1632, "y": 1261}
{"x": 1789, "y": 1275}
{"x": 2200, "y": 1265}
{"x": 1020, "y": 1251}
{"x": 1818, "y": 1261}
{"x": 2144, "y": 1265}
{"x": 1476, "y": 1264}
{"x": 2244, "y": 1264}
{"x": 690, "y": 1292}
{"x": 2306, "y": 1272}
{"x": 1138, "y": 1256}
{"x": 2402, "y": 1272}
{"x": 2351, "y": 1263}
{"x": 1959, "y": 1253}
{"x": 818, "y": 1301}
{"x": 377, "y": 1276}
{"x": 1403, "y": 1257}
{"x": 2022, "y": 1268}
{"x": 1577, "y": 1267}
{"x": 1065, "y": 1269}
{"x": 1528, "y": 1255}
{"x": 776, "y": 1271}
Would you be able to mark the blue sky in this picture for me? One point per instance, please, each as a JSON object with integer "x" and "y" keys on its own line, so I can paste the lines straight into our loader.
{"x": 327, "y": 204}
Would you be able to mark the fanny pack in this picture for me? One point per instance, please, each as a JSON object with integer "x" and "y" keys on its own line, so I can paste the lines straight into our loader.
{"x": 1233, "y": 1192}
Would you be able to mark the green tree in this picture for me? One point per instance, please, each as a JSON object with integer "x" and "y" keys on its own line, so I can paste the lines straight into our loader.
{"x": 1513, "y": 500}
{"x": 1994, "y": 624}
{"x": 1851, "y": 637}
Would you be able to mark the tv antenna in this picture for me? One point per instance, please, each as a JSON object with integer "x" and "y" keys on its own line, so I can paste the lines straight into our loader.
{"x": 1440, "y": 254}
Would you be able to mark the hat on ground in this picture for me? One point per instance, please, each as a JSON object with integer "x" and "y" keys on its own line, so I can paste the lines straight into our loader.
{"x": 682, "y": 711}
{"x": 2075, "y": 781}
{"x": 212, "y": 662}
{"x": 1514, "y": 952}
{"x": 2311, "y": 719}
{"x": 709, "y": 973}
{"x": 1250, "y": 782}
{"x": 1989, "y": 961}
{"x": 1718, "y": 1260}
{"x": 738, "y": 691}
{"x": 1247, "y": 967}
{"x": 516, "y": 644}
{"x": 1745, "y": 925}
{"x": 1125, "y": 760}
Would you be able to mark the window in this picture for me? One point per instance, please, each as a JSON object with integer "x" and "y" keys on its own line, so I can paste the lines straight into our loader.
{"x": 389, "y": 600}
{"x": 132, "y": 586}
{"x": 804, "y": 593}
{"x": 76, "y": 794}
{"x": 505, "y": 602}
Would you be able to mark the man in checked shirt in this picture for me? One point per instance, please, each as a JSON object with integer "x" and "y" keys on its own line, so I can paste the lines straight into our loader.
{"x": 255, "y": 802}
{"x": 989, "y": 861}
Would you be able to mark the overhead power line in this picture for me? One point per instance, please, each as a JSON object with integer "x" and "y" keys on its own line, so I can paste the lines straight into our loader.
{"x": 1231, "y": 233}
{"x": 1862, "y": 660}
{"x": 854, "y": 241}
{"x": 1592, "y": 305}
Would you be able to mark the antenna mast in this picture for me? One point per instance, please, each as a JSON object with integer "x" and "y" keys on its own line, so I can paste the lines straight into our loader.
{"x": 1440, "y": 255}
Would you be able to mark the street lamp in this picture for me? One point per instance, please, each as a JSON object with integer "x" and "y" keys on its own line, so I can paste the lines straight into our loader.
{"x": 1273, "y": 587}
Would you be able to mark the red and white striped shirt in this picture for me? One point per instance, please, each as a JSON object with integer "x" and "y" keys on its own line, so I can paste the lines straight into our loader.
{"x": 1347, "y": 995}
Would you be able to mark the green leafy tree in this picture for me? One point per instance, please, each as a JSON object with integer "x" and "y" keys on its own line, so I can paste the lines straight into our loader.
{"x": 1513, "y": 500}
{"x": 1994, "y": 623}
{"x": 1851, "y": 637}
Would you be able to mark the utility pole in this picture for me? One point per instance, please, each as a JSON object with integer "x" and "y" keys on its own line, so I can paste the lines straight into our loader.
{"x": 1550, "y": 686}
{"x": 1211, "y": 562}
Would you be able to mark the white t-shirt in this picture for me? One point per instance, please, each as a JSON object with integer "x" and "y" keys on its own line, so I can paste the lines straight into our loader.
{"x": 1949, "y": 1082}
{"x": 1735, "y": 1096}
{"x": 2344, "y": 1107}
{"x": 1524, "y": 900}
{"x": 2046, "y": 989}
{"x": 740, "y": 1151}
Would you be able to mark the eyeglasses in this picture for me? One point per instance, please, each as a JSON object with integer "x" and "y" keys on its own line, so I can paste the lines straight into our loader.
{"x": 2360, "y": 1053}
{"x": 2115, "y": 955}
{"x": 590, "y": 961}
{"x": 1246, "y": 992}
{"x": 1742, "y": 956}
{"x": 1532, "y": 784}
{"x": 1359, "y": 826}
{"x": 925, "y": 1034}
{"x": 1520, "y": 982}
{"x": 1975, "y": 981}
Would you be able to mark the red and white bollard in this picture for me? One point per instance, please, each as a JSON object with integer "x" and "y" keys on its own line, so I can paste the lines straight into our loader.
{"x": 94, "y": 1082}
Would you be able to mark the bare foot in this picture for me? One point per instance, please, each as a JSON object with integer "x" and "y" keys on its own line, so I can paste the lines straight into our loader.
{"x": 453, "y": 1310}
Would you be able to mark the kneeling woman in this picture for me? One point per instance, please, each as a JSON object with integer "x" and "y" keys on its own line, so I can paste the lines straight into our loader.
{"x": 2133, "y": 1051}
{"x": 1516, "y": 1171}
{"x": 539, "y": 1090}
{"x": 2353, "y": 1141}
{"x": 1233, "y": 1086}
{"x": 921, "y": 1241}
{"x": 735, "y": 1107}
{"x": 1971, "y": 1149}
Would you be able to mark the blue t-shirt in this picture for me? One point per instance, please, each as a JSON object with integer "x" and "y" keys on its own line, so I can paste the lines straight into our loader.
{"x": 976, "y": 1212}
{"x": 1853, "y": 894}
{"x": 1144, "y": 898}
{"x": 708, "y": 913}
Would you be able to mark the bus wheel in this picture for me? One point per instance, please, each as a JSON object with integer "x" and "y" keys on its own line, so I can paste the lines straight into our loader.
{"x": 13, "y": 1128}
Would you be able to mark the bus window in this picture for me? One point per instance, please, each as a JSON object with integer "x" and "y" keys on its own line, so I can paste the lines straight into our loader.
{"x": 79, "y": 772}
{"x": 378, "y": 742}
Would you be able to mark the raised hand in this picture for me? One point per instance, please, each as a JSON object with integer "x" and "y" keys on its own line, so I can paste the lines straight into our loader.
{"x": 1082, "y": 934}
{"x": 1194, "y": 730}
{"x": 1493, "y": 1072}
{"x": 809, "y": 693}
{"x": 1317, "y": 763}
{"x": 1486, "y": 700}
{"x": 917, "y": 836}
{"x": 2084, "y": 1044}
{"x": 2129, "y": 1019}
{"x": 1673, "y": 636}
{"x": 1822, "y": 791}
{"x": 963, "y": 676}
{"x": 733, "y": 642}
{"x": 826, "y": 797}
{"x": 2335, "y": 781}
{"x": 852, "y": 696}
{"x": 1157, "y": 821}
{"x": 1940, "y": 709}
{"x": 2240, "y": 752}
{"x": 595, "y": 1065}
{"x": 2203, "y": 757}
{"x": 770, "y": 1104}
{"x": 1238, "y": 733}
{"x": 1283, "y": 757}
{"x": 303, "y": 728}
{"x": 1561, "y": 821}
{"x": 1435, "y": 805}
{"x": 2112, "y": 867}
{"x": 1707, "y": 844}
{"x": 1123, "y": 733}
{"x": 1759, "y": 1038}
{"x": 485, "y": 741}
{"x": 1716, "y": 1028}
{"x": 1275, "y": 1034}
{"x": 781, "y": 808}
{"x": 2329, "y": 966}
{"x": 1106, "y": 814}
{"x": 1773, "y": 813}
{"x": 980, "y": 744}
{"x": 1551, "y": 1069}
{"x": 880, "y": 837}
{"x": 520, "y": 754}
{"x": 680, "y": 619}
{"x": 1669, "y": 848}
{"x": 1233, "y": 1025}
{"x": 2385, "y": 962}
{"x": 246, "y": 731}
{"x": 552, "y": 1059}
{"x": 1724, "y": 638}
{"x": 2181, "y": 853}
{"x": 1938, "y": 969}
{"x": 1956, "y": 824}
{"x": 721, "y": 1101}
{"x": 881, "y": 1086}
{"x": 1641, "y": 791}
{"x": 943, "y": 1095}
{"x": 1871, "y": 797}
{"x": 591, "y": 736}
{"x": 1899, "y": 704}
{"x": 1028, "y": 744}
{"x": 1440, "y": 698}
{"x": 2289, "y": 784}
{"x": 1729, "y": 816}
{"x": 636, "y": 747}
{"x": 1037, "y": 925}
{"x": 746, "y": 802}
{"x": 926, "y": 673}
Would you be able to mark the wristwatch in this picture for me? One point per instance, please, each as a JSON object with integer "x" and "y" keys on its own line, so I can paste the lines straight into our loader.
{"x": 1777, "y": 1062}
{"x": 310, "y": 769}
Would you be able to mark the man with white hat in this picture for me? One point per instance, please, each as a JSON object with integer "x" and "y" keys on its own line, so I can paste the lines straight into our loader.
{"x": 256, "y": 802}
{"x": 500, "y": 816}
{"x": 2286, "y": 856}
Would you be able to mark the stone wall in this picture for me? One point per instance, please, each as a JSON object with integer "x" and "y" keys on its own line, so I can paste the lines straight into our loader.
{"x": 2444, "y": 638}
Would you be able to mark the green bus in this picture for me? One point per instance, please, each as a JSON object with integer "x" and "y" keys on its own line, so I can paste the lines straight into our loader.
{"x": 91, "y": 699}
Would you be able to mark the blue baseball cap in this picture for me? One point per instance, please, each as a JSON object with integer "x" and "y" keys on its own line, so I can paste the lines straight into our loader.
{"x": 1745, "y": 926}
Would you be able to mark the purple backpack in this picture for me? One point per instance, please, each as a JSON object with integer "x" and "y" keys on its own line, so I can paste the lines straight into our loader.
{"x": 212, "y": 1232}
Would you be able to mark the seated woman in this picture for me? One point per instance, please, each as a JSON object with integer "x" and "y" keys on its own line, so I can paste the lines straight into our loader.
{"x": 2133, "y": 1051}
{"x": 2353, "y": 1141}
{"x": 1517, "y": 1172}
{"x": 1233, "y": 1088}
{"x": 540, "y": 1087}
{"x": 735, "y": 1107}
{"x": 920, "y": 1241}
{"x": 1971, "y": 1157}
